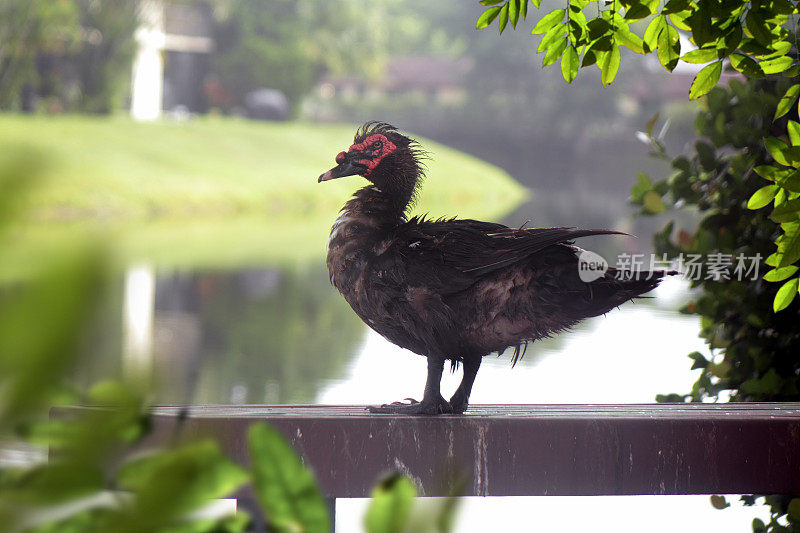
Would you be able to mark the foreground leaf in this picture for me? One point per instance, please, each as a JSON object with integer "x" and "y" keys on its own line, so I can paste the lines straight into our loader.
{"x": 170, "y": 484}
{"x": 487, "y": 17}
{"x": 548, "y": 21}
{"x": 570, "y": 62}
{"x": 609, "y": 65}
{"x": 762, "y": 197}
{"x": 391, "y": 504}
{"x": 286, "y": 490}
{"x": 705, "y": 80}
{"x": 785, "y": 295}
{"x": 787, "y": 100}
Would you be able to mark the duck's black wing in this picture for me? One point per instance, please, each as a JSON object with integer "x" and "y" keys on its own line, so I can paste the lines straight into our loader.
{"x": 451, "y": 255}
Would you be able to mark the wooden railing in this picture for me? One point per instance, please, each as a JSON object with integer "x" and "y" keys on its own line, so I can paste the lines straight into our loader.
{"x": 503, "y": 450}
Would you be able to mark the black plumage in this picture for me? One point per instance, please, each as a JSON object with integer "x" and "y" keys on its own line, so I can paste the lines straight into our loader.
{"x": 453, "y": 289}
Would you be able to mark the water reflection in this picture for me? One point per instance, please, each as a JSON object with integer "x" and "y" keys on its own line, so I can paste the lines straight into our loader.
{"x": 245, "y": 336}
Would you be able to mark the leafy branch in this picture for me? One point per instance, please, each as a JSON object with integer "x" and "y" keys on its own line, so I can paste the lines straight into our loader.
{"x": 753, "y": 37}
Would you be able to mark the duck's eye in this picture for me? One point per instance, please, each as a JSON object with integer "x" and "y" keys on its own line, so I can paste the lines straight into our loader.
{"x": 376, "y": 145}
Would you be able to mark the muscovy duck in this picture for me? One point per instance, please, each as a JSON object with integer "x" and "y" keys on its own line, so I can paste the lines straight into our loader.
{"x": 454, "y": 289}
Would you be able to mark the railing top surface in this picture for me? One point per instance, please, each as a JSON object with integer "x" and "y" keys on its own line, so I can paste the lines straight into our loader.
{"x": 738, "y": 411}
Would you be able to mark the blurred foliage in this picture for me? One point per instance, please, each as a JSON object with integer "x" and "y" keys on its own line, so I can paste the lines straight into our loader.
{"x": 288, "y": 44}
{"x": 754, "y": 356}
{"x": 754, "y": 37}
{"x": 70, "y": 55}
{"x": 28, "y": 29}
{"x": 395, "y": 508}
{"x": 103, "y": 63}
{"x": 502, "y": 82}
{"x": 286, "y": 490}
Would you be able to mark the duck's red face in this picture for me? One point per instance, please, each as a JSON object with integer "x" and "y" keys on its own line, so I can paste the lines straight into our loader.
{"x": 361, "y": 158}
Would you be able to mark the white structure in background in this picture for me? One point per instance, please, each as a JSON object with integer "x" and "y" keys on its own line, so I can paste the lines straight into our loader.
{"x": 166, "y": 26}
{"x": 137, "y": 322}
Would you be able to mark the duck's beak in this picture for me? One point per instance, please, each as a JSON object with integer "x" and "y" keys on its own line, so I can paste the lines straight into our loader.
{"x": 346, "y": 168}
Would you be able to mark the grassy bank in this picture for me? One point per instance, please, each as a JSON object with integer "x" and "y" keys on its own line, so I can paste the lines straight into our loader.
{"x": 211, "y": 192}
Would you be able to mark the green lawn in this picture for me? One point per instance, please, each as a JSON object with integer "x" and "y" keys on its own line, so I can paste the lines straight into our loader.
{"x": 211, "y": 192}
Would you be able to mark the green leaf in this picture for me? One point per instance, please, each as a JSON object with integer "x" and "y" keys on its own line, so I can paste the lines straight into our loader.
{"x": 501, "y": 24}
{"x": 794, "y": 130}
{"x": 787, "y": 101}
{"x": 768, "y": 172}
{"x": 787, "y": 211}
{"x": 652, "y": 202}
{"x": 699, "y": 360}
{"x": 762, "y": 197}
{"x": 669, "y": 48}
{"x": 627, "y": 38}
{"x": 286, "y": 490}
{"x": 730, "y": 41}
{"x": 789, "y": 244}
{"x": 789, "y": 180}
{"x": 513, "y": 12}
{"x": 785, "y": 295}
{"x": 637, "y": 11}
{"x": 597, "y": 28}
{"x": 773, "y": 66}
{"x": 653, "y": 31}
{"x": 548, "y": 21}
{"x": 701, "y": 55}
{"x": 778, "y": 149}
{"x": 705, "y": 80}
{"x": 609, "y": 65}
{"x": 523, "y": 9}
{"x": 391, "y": 503}
{"x": 643, "y": 184}
{"x": 490, "y": 2}
{"x": 793, "y": 510}
{"x": 172, "y": 483}
{"x": 675, "y": 6}
{"x": 570, "y": 62}
{"x": 718, "y": 502}
{"x": 700, "y": 23}
{"x": 746, "y": 65}
{"x": 758, "y": 28}
{"x": 780, "y": 274}
{"x": 487, "y": 17}
{"x": 556, "y": 32}
{"x": 554, "y": 52}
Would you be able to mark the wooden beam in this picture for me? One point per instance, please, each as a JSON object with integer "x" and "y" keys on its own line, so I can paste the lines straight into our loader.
{"x": 505, "y": 450}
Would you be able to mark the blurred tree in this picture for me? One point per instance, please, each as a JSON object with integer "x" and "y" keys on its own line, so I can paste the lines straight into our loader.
{"x": 76, "y": 52}
{"x": 288, "y": 44}
{"x": 103, "y": 64}
{"x": 28, "y": 30}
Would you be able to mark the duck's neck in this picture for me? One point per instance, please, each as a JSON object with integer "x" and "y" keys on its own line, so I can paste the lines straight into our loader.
{"x": 379, "y": 206}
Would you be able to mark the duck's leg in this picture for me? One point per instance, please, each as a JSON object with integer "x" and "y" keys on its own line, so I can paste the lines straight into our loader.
{"x": 460, "y": 398}
{"x": 432, "y": 402}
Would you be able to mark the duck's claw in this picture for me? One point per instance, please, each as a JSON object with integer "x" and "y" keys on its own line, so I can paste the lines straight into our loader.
{"x": 413, "y": 407}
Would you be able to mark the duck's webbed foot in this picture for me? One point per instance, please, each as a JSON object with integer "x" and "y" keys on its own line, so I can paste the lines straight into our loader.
{"x": 413, "y": 407}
